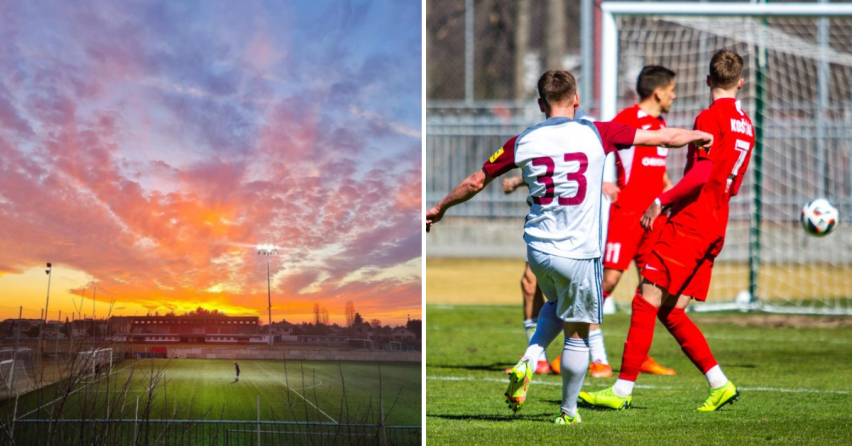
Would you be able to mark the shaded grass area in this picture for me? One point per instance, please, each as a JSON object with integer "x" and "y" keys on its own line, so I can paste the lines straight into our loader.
{"x": 794, "y": 384}
{"x": 206, "y": 389}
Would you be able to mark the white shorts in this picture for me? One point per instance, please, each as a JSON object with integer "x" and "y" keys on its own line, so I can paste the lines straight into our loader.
{"x": 575, "y": 285}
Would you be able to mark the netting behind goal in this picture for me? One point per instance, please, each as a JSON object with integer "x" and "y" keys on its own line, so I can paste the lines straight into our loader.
{"x": 97, "y": 362}
{"x": 798, "y": 91}
{"x": 15, "y": 370}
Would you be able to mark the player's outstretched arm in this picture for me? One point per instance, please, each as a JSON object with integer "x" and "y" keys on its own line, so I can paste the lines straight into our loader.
{"x": 466, "y": 190}
{"x": 672, "y": 138}
{"x": 512, "y": 184}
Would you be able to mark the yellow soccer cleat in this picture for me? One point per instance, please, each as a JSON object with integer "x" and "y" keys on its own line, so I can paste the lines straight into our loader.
{"x": 519, "y": 383}
{"x": 651, "y": 366}
{"x": 598, "y": 370}
{"x": 563, "y": 418}
{"x": 726, "y": 394}
{"x": 607, "y": 399}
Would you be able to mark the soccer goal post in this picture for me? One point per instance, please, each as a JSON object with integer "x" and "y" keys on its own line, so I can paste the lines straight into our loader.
{"x": 98, "y": 362}
{"x": 14, "y": 376}
{"x": 798, "y": 92}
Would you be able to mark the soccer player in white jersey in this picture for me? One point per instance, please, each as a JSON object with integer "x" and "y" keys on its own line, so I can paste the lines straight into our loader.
{"x": 562, "y": 161}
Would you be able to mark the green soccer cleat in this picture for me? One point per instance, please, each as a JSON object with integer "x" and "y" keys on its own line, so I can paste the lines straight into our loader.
{"x": 607, "y": 399}
{"x": 563, "y": 418}
{"x": 726, "y": 394}
{"x": 519, "y": 383}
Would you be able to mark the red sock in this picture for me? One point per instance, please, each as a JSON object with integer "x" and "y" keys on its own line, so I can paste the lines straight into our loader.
{"x": 689, "y": 337}
{"x": 639, "y": 338}
{"x": 606, "y": 295}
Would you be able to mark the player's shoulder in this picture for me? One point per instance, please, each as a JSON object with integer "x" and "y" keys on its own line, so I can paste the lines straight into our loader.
{"x": 629, "y": 115}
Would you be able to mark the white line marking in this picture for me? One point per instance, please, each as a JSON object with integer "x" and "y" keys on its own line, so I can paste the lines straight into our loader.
{"x": 297, "y": 393}
{"x": 76, "y": 390}
{"x": 639, "y": 386}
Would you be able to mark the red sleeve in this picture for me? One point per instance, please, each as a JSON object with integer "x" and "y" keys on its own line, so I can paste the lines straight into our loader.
{"x": 691, "y": 182}
{"x": 502, "y": 161}
{"x": 615, "y": 136}
{"x": 706, "y": 122}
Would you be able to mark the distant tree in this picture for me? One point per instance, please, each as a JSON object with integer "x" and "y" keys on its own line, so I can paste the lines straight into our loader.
{"x": 317, "y": 314}
{"x": 33, "y": 331}
{"x": 357, "y": 320}
{"x": 376, "y": 323}
{"x": 415, "y": 326}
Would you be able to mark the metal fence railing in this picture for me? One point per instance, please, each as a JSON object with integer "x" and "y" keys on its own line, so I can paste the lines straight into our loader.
{"x": 202, "y": 432}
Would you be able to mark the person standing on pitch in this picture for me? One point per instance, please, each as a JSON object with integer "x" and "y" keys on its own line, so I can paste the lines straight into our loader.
{"x": 680, "y": 267}
{"x": 238, "y": 372}
{"x": 562, "y": 162}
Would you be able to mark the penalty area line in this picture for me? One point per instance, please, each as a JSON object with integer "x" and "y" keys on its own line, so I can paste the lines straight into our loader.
{"x": 297, "y": 393}
{"x": 86, "y": 384}
{"x": 640, "y": 386}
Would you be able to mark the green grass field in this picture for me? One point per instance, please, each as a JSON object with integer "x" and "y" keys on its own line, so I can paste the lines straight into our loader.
{"x": 793, "y": 378}
{"x": 206, "y": 388}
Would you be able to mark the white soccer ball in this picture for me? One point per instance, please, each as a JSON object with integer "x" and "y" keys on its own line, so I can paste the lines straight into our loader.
{"x": 819, "y": 217}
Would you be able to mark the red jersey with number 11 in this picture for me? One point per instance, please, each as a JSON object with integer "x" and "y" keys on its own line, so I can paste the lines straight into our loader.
{"x": 733, "y": 138}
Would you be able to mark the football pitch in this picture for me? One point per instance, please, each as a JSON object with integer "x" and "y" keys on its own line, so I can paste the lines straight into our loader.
{"x": 315, "y": 391}
{"x": 793, "y": 375}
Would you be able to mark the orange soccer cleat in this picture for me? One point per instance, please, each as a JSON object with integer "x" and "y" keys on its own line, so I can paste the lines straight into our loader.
{"x": 556, "y": 365}
{"x": 650, "y": 366}
{"x": 600, "y": 370}
{"x": 542, "y": 368}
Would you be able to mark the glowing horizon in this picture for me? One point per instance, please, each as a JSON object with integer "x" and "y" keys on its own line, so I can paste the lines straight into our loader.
{"x": 151, "y": 149}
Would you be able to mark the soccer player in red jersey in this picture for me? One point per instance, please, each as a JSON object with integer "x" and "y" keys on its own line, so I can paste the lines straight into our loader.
{"x": 680, "y": 266}
{"x": 641, "y": 177}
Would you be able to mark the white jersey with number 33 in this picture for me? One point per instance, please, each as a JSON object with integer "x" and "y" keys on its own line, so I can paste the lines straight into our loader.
{"x": 562, "y": 162}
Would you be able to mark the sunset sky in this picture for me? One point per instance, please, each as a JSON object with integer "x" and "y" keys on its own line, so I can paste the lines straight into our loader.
{"x": 149, "y": 148}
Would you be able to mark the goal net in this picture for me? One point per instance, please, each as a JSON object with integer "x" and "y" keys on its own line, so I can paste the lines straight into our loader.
{"x": 97, "y": 362}
{"x": 798, "y": 93}
{"x": 14, "y": 373}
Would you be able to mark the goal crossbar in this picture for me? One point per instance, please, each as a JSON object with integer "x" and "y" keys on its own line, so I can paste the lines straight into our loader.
{"x": 609, "y": 28}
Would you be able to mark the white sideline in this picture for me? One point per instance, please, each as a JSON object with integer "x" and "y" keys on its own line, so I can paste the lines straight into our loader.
{"x": 297, "y": 393}
{"x": 86, "y": 384}
{"x": 640, "y": 386}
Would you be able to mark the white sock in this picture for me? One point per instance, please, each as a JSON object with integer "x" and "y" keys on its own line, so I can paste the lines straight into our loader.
{"x": 596, "y": 346}
{"x": 530, "y": 327}
{"x": 623, "y": 387}
{"x": 575, "y": 362}
{"x": 715, "y": 377}
{"x": 547, "y": 329}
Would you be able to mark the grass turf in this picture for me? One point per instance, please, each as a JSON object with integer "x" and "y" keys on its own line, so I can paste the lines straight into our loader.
{"x": 315, "y": 392}
{"x": 793, "y": 381}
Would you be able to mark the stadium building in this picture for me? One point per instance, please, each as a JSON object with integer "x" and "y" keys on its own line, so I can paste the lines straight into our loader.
{"x": 190, "y": 330}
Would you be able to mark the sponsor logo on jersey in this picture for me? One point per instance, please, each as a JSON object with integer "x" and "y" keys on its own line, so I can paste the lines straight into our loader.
{"x": 741, "y": 126}
{"x": 662, "y": 151}
{"x": 654, "y": 162}
{"x": 496, "y": 155}
{"x": 646, "y": 126}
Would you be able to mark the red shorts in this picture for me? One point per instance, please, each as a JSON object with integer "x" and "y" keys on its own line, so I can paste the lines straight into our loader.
{"x": 682, "y": 261}
{"x": 626, "y": 240}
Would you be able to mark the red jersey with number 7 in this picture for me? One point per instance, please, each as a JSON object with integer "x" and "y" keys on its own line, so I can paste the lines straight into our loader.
{"x": 733, "y": 138}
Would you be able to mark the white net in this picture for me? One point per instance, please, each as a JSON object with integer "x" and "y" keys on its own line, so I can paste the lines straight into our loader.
{"x": 798, "y": 93}
{"x": 97, "y": 363}
{"x": 15, "y": 377}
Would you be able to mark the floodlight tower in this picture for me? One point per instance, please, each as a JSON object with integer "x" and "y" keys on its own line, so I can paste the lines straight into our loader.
{"x": 44, "y": 314}
{"x": 266, "y": 251}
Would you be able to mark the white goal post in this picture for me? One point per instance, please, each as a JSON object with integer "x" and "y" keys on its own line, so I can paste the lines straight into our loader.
{"x": 798, "y": 92}
{"x": 98, "y": 362}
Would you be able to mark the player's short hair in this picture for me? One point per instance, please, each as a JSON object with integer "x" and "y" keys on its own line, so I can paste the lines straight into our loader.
{"x": 726, "y": 68}
{"x": 556, "y": 86}
{"x": 651, "y": 78}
